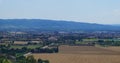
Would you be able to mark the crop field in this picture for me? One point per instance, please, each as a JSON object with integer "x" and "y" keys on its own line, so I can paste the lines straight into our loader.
{"x": 28, "y": 46}
{"x": 86, "y": 50}
{"x": 78, "y": 58}
{"x": 83, "y": 54}
{"x": 113, "y": 48}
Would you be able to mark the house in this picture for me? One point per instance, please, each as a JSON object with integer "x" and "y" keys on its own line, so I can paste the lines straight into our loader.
{"x": 28, "y": 54}
{"x": 52, "y": 38}
{"x": 20, "y": 43}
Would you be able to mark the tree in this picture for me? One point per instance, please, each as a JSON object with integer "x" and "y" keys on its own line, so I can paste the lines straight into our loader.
{"x": 21, "y": 59}
{"x": 46, "y": 61}
{"x": 30, "y": 59}
{"x": 101, "y": 42}
{"x": 6, "y": 61}
{"x": 40, "y": 61}
{"x": 1, "y": 59}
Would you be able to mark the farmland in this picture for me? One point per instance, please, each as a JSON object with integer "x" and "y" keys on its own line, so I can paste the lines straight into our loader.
{"x": 113, "y": 48}
{"x": 28, "y": 46}
{"x": 86, "y": 50}
{"x": 58, "y": 47}
{"x": 78, "y": 58}
{"x": 83, "y": 54}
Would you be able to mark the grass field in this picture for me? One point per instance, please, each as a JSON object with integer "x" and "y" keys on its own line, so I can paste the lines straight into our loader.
{"x": 83, "y": 54}
{"x": 94, "y": 39}
{"x": 28, "y": 46}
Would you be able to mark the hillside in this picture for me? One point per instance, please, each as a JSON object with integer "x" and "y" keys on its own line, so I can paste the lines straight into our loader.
{"x": 52, "y": 25}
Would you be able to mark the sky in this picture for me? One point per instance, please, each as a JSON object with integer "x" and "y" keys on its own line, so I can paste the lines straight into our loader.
{"x": 91, "y": 11}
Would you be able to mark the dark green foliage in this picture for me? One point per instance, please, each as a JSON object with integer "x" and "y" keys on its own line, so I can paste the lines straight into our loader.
{"x": 109, "y": 43}
{"x": 101, "y": 42}
{"x": 46, "y": 61}
{"x": 43, "y": 61}
{"x": 30, "y": 59}
{"x": 6, "y": 61}
{"x": 3, "y": 59}
{"x": 22, "y": 59}
{"x": 40, "y": 61}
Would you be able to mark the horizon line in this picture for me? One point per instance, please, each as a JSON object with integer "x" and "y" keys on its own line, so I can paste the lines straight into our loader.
{"x": 53, "y": 20}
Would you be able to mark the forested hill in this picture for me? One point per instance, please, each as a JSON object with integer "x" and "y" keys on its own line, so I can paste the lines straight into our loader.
{"x": 52, "y": 25}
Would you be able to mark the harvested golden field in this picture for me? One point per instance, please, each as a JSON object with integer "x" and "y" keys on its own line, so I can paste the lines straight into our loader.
{"x": 78, "y": 58}
{"x": 82, "y": 54}
{"x": 113, "y": 48}
{"x": 86, "y": 50}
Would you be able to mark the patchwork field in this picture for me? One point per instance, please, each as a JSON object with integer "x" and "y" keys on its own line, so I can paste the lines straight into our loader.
{"x": 83, "y": 54}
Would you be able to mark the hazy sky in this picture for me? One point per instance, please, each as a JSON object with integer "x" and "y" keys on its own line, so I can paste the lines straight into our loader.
{"x": 93, "y": 11}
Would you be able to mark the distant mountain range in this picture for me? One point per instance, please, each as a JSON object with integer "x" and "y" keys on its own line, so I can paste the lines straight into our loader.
{"x": 52, "y": 25}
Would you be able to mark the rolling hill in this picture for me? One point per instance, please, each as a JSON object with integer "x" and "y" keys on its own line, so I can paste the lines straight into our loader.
{"x": 52, "y": 25}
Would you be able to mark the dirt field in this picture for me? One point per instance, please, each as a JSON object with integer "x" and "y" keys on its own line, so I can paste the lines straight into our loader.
{"x": 20, "y": 42}
{"x": 82, "y": 54}
{"x": 87, "y": 50}
{"x": 114, "y": 48}
{"x": 78, "y": 58}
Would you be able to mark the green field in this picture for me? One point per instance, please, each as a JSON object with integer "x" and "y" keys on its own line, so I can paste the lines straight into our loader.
{"x": 28, "y": 46}
{"x": 95, "y": 39}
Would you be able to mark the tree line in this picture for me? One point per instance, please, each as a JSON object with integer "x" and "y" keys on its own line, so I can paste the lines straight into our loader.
{"x": 12, "y": 51}
{"x": 22, "y": 59}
